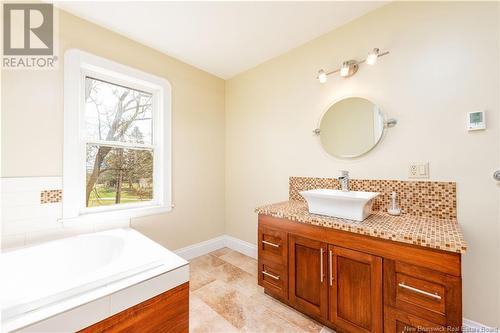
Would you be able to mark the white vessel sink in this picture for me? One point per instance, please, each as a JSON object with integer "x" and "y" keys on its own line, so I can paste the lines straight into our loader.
{"x": 352, "y": 205}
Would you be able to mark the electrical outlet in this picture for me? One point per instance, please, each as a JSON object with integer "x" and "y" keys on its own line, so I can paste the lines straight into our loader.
{"x": 418, "y": 170}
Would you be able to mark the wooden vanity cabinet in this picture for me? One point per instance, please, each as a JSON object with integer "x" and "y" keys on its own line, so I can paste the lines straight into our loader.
{"x": 359, "y": 284}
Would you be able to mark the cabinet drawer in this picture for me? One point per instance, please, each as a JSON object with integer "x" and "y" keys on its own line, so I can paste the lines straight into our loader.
{"x": 396, "y": 321}
{"x": 274, "y": 278}
{"x": 273, "y": 245}
{"x": 424, "y": 293}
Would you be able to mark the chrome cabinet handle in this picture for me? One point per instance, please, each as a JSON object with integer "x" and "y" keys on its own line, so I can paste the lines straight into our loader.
{"x": 321, "y": 264}
{"x": 276, "y": 277}
{"x": 418, "y": 291}
{"x": 270, "y": 244}
{"x": 331, "y": 267}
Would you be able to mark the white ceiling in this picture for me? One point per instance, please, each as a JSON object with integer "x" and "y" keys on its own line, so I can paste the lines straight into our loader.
{"x": 222, "y": 38}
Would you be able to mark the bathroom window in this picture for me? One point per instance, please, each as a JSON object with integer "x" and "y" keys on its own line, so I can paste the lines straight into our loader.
{"x": 119, "y": 144}
{"x": 117, "y": 140}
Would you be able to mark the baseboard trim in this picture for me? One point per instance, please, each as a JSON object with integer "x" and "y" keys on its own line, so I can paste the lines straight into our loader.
{"x": 241, "y": 246}
{"x": 202, "y": 248}
{"x": 474, "y": 326}
{"x": 249, "y": 249}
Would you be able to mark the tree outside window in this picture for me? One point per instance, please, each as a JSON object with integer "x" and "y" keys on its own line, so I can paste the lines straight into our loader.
{"x": 120, "y": 147}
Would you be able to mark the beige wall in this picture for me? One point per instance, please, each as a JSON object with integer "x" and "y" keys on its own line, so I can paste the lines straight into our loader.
{"x": 443, "y": 63}
{"x": 32, "y": 130}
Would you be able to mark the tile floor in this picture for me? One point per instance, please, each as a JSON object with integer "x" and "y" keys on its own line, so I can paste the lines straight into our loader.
{"x": 225, "y": 297}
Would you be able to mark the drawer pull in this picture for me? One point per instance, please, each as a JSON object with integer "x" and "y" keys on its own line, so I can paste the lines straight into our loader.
{"x": 276, "y": 277}
{"x": 403, "y": 285}
{"x": 270, "y": 244}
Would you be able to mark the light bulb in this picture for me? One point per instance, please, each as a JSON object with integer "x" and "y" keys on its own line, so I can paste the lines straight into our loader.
{"x": 322, "y": 76}
{"x": 344, "y": 70}
{"x": 372, "y": 57}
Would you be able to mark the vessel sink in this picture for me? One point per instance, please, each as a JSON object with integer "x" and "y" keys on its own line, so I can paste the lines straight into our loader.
{"x": 352, "y": 205}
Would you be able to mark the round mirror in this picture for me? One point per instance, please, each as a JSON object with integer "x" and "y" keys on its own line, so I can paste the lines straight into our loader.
{"x": 351, "y": 127}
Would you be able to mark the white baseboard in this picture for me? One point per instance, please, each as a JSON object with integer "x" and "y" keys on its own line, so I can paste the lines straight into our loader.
{"x": 473, "y": 326}
{"x": 202, "y": 248}
{"x": 241, "y": 246}
{"x": 249, "y": 249}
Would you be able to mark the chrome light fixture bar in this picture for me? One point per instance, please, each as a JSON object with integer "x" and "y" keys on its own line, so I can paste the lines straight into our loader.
{"x": 350, "y": 67}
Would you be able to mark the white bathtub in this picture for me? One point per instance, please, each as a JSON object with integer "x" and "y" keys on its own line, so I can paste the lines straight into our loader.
{"x": 39, "y": 277}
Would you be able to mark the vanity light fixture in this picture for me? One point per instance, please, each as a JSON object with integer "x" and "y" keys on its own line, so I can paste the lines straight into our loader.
{"x": 322, "y": 76}
{"x": 372, "y": 57}
{"x": 350, "y": 67}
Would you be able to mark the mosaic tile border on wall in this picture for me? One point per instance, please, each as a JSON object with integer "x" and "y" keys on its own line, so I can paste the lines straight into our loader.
{"x": 50, "y": 196}
{"x": 430, "y": 199}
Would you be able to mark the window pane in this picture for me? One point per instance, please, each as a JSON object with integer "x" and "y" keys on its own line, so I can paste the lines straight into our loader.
{"x": 116, "y": 113}
{"x": 118, "y": 176}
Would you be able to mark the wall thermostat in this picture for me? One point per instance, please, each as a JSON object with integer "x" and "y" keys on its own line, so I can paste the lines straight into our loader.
{"x": 476, "y": 121}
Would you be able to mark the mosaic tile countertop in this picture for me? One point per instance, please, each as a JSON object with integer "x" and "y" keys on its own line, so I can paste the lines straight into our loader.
{"x": 441, "y": 234}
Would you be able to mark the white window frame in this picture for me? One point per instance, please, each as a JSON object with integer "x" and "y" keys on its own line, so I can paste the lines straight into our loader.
{"x": 77, "y": 66}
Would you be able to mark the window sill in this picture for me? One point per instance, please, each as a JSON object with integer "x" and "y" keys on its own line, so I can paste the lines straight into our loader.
{"x": 110, "y": 216}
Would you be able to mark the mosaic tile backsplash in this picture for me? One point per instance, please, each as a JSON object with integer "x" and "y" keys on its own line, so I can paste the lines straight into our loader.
{"x": 50, "y": 196}
{"x": 417, "y": 198}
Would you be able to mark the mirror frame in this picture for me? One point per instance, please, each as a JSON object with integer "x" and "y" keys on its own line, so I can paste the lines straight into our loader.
{"x": 388, "y": 123}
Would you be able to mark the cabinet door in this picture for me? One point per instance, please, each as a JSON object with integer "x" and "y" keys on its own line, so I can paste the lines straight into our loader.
{"x": 308, "y": 287}
{"x": 355, "y": 280}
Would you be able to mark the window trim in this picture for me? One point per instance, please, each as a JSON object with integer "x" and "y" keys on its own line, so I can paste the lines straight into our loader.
{"x": 79, "y": 64}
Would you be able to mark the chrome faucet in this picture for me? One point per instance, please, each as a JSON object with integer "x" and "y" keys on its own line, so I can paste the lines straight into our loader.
{"x": 344, "y": 181}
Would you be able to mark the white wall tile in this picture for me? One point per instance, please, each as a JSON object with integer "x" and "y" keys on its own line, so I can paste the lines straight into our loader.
{"x": 13, "y": 241}
{"x": 15, "y": 213}
{"x": 14, "y": 199}
{"x": 122, "y": 223}
{"x": 10, "y": 227}
{"x": 23, "y": 213}
{"x": 24, "y": 220}
{"x": 30, "y": 184}
{"x": 57, "y": 233}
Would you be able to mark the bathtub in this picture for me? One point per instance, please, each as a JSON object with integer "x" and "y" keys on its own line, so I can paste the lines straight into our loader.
{"x": 37, "y": 278}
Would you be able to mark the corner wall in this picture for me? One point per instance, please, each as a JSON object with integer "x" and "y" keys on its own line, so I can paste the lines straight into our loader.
{"x": 443, "y": 64}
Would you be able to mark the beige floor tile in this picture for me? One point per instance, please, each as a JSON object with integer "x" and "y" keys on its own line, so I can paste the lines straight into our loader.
{"x": 326, "y": 330}
{"x": 202, "y": 319}
{"x": 225, "y": 297}
{"x": 198, "y": 278}
{"x": 304, "y": 322}
{"x": 241, "y": 261}
{"x": 221, "y": 252}
{"x": 205, "y": 263}
{"x": 242, "y": 311}
{"x": 250, "y": 267}
{"x": 269, "y": 322}
{"x": 236, "y": 277}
